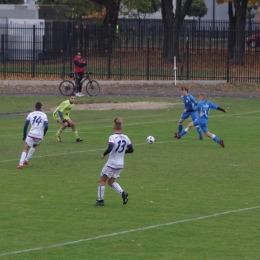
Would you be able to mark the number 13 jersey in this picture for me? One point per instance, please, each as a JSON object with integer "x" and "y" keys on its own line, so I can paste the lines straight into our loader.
{"x": 120, "y": 143}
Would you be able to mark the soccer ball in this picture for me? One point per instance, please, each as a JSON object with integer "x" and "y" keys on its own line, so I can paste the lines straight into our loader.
{"x": 150, "y": 139}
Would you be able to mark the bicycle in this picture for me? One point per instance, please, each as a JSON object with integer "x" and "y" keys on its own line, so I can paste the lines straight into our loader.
{"x": 67, "y": 87}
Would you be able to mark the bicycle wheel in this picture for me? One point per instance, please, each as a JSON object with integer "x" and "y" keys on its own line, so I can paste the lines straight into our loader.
{"x": 93, "y": 88}
{"x": 66, "y": 87}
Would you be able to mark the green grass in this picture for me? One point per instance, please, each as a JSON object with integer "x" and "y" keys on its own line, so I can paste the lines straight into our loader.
{"x": 188, "y": 199}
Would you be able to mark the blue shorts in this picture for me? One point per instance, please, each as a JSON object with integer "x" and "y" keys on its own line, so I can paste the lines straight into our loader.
{"x": 187, "y": 114}
{"x": 202, "y": 124}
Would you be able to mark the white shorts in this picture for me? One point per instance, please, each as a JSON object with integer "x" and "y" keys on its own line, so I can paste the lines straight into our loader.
{"x": 32, "y": 141}
{"x": 110, "y": 173}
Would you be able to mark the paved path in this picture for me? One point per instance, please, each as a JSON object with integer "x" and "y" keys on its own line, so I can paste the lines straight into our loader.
{"x": 133, "y": 88}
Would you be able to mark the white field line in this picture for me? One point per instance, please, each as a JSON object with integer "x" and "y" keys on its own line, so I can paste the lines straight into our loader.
{"x": 91, "y": 128}
{"x": 127, "y": 231}
{"x": 85, "y": 151}
{"x": 176, "y": 120}
{"x": 150, "y": 122}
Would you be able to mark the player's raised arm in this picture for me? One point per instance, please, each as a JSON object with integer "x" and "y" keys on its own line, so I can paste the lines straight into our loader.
{"x": 221, "y": 109}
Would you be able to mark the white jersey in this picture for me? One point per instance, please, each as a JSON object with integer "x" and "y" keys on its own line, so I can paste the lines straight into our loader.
{"x": 37, "y": 119}
{"x": 116, "y": 156}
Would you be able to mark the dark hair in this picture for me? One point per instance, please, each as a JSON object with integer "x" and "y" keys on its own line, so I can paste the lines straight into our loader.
{"x": 185, "y": 88}
{"x": 72, "y": 95}
{"x": 38, "y": 105}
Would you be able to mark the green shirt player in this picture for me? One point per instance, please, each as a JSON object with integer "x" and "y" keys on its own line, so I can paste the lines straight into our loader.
{"x": 62, "y": 115}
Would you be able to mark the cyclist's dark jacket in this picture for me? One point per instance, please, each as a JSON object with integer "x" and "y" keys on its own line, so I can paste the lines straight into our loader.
{"x": 79, "y": 65}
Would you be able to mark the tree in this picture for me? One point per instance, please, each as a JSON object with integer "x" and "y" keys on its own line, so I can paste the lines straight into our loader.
{"x": 107, "y": 10}
{"x": 172, "y": 22}
{"x": 232, "y": 30}
{"x": 240, "y": 7}
{"x": 77, "y": 8}
{"x": 148, "y": 6}
{"x": 136, "y": 7}
{"x": 198, "y": 8}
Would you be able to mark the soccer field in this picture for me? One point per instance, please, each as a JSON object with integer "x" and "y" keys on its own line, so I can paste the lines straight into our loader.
{"x": 188, "y": 199}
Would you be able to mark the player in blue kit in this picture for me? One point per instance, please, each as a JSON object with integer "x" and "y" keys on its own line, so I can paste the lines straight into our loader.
{"x": 203, "y": 108}
{"x": 189, "y": 102}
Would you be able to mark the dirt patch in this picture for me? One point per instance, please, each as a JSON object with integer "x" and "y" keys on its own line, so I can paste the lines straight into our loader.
{"x": 127, "y": 105}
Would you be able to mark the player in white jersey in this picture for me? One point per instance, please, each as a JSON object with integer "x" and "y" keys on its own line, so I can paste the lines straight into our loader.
{"x": 39, "y": 127}
{"x": 118, "y": 145}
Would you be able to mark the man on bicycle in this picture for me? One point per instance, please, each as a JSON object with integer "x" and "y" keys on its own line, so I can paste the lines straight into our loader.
{"x": 79, "y": 65}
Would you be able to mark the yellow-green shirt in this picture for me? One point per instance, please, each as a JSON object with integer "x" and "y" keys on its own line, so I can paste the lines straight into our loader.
{"x": 65, "y": 108}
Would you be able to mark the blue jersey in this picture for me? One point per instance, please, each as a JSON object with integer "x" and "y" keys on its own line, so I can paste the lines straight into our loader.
{"x": 203, "y": 109}
{"x": 189, "y": 101}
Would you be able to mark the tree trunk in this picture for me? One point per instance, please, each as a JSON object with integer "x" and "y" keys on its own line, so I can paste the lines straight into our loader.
{"x": 239, "y": 51}
{"x": 112, "y": 11}
{"x": 165, "y": 32}
{"x": 249, "y": 10}
{"x": 106, "y": 35}
{"x": 173, "y": 22}
{"x": 168, "y": 21}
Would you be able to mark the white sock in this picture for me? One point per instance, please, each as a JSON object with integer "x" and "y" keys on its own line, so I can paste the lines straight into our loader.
{"x": 22, "y": 158}
{"x": 186, "y": 130}
{"x": 101, "y": 192}
{"x": 117, "y": 188}
{"x": 29, "y": 155}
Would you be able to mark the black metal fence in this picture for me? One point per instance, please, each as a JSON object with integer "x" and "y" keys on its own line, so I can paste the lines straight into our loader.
{"x": 132, "y": 50}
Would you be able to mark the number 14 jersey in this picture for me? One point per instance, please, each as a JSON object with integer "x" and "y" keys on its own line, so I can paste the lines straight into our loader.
{"x": 37, "y": 120}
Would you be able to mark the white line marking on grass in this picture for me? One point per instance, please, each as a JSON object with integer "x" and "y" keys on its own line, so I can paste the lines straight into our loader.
{"x": 144, "y": 123}
{"x": 126, "y": 231}
{"x": 86, "y": 151}
{"x": 57, "y": 154}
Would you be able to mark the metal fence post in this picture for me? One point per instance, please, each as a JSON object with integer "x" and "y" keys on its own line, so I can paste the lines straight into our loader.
{"x": 109, "y": 52}
{"x": 188, "y": 58}
{"x": 120, "y": 68}
{"x": 228, "y": 50}
{"x": 3, "y": 55}
{"x": 33, "y": 56}
{"x": 64, "y": 59}
{"x": 148, "y": 60}
{"x": 2, "y": 47}
{"x": 43, "y": 49}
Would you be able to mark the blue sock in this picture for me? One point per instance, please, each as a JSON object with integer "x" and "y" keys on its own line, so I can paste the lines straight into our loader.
{"x": 199, "y": 131}
{"x": 216, "y": 139}
{"x": 182, "y": 133}
{"x": 179, "y": 128}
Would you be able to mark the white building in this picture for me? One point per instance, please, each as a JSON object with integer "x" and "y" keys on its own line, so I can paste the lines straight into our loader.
{"x": 25, "y": 11}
